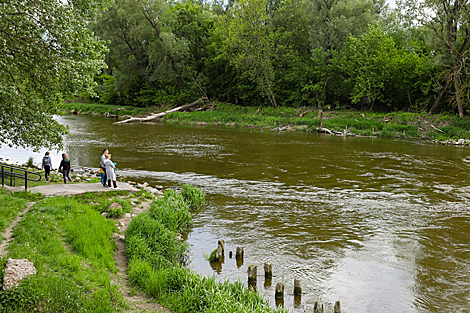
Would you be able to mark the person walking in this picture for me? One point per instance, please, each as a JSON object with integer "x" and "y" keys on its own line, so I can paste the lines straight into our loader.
{"x": 65, "y": 166}
{"x": 47, "y": 165}
{"x": 110, "y": 166}
{"x": 103, "y": 168}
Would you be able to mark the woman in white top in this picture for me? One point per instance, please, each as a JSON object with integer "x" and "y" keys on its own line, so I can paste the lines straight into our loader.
{"x": 110, "y": 175}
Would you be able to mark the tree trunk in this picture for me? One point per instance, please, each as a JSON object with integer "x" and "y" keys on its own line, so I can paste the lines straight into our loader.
{"x": 457, "y": 83}
{"x": 162, "y": 114}
{"x": 439, "y": 96}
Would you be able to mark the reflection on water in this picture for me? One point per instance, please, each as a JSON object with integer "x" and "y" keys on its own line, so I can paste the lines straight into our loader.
{"x": 381, "y": 225}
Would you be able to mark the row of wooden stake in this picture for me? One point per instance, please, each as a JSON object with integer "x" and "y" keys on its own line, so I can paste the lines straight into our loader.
{"x": 268, "y": 273}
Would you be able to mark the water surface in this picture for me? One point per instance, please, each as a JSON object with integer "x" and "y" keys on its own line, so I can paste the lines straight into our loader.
{"x": 381, "y": 225}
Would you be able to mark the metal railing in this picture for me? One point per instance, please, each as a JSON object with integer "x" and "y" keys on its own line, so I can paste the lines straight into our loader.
{"x": 10, "y": 173}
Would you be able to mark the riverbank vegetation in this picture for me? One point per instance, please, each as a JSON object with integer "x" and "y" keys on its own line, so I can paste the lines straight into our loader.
{"x": 443, "y": 128}
{"x": 342, "y": 55}
{"x": 71, "y": 246}
{"x": 354, "y": 55}
{"x": 156, "y": 259}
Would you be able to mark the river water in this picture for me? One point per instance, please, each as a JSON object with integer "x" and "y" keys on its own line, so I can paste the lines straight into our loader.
{"x": 379, "y": 224}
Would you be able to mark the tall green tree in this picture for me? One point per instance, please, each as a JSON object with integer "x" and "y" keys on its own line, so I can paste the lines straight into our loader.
{"x": 47, "y": 54}
{"x": 333, "y": 21}
{"x": 449, "y": 20}
{"x": 374, "y": 66}
{"x": 248, "y": 43}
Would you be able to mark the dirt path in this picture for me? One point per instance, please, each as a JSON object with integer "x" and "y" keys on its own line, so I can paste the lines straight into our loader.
{"x": 136, "y": 299}
{"x": 9, "y": 231}
{"x": 140, "y": 302}
{"x": 76, "y": 188}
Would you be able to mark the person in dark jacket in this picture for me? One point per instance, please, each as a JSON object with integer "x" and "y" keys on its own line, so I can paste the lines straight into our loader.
{"x": 65, "y": 166}
{"x": 47, "y": 165}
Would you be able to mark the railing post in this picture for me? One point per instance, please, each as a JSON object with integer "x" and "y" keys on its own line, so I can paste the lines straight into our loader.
{"x": 25, "y": 181}
{"x": 3, "y": 177}
{"x": 11, "y": 176}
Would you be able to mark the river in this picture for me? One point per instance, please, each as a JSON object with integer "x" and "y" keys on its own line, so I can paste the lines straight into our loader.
{"x": 382, "y": 225}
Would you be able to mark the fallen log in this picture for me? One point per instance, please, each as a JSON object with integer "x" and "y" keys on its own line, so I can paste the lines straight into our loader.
{"x": 308, "y": 111}
{"x": 437, "y": 128}
{"x": 157, "y": 116}
{"x": 324, "y": 130}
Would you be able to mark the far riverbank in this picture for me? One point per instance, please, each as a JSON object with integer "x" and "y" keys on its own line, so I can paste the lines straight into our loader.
{"x": 440, "y": 128}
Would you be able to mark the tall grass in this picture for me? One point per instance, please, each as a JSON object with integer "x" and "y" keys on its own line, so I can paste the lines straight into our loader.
{"x": 72, "y": 249}
{"x": 193, "y": 196}
{"x": 155, "y": 262}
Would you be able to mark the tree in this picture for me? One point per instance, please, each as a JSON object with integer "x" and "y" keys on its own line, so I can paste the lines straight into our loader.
{"x": 333, "y": 21}
{"x": 449, "y": 20}
{"x": 47, "y": 54}
{"x": 373, "y": 65}
{"x": 248, "y": 43}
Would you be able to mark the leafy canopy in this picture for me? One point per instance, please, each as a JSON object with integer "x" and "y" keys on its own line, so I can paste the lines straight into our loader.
{"x": 46, "y": 55}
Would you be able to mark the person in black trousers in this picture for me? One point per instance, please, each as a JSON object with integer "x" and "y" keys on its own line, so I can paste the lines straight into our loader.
{"x": 65, "y": 166}
{"x": 47, "y": 165}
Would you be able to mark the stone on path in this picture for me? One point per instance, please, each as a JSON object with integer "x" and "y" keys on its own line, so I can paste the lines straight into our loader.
{"x": 15, "y": 271}
{"x": 114, "y": 205}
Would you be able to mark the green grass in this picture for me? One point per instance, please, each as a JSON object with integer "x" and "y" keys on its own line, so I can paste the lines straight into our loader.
{"x": 156, "y": 259}
{"x": 71, "y": 246}
{"x": 10, "y": 206}
{"x": 396, "y": 124}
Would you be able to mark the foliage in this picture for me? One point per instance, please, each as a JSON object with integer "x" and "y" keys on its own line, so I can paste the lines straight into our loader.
{"x": 155, "y": 265}
{"x": 249, "y": 43}
{"x": 194, "y": 197}
{"x": 75, "y": 278}
{"x": 47, "y": 54}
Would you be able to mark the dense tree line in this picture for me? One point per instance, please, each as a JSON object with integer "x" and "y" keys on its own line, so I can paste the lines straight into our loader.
{"x": 357, "y": 54}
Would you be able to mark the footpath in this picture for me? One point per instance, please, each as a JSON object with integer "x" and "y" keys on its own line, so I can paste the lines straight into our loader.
{"x": 138, "y": 302}
{"x": 76, "y": 188}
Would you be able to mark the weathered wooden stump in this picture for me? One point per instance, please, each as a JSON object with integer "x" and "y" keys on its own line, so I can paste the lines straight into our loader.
{"x": 252, "y": 273}
{"x": 268, "y": 270}
{"x": 221, "y": 243}
{"x": 279, "y": 291}
{"x": 239, "y": 254}
{"x": 297, "y": 286}
{"x": 337, "y": 307}
{"x": 230, "y": 254}
{"x": 219, "y": 254}
{"x": 268, "y": 282}
{"x": 318, "y": 308}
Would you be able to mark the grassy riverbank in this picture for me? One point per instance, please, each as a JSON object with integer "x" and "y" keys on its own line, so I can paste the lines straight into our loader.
{"x": 155, "y": 255}
{"x": 72, "y": 247}
{"x": 441, "y": 128}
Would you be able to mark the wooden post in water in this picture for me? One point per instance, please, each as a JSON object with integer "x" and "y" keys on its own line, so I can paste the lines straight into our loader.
{"x": 297, "y": 286}
{"x": 252, "y": 273}
{"x": 268, "y": 270}
{"x": 219, "y": 254}
{"x": 337, "y": 308}
{"x": 221, "y": 243}
{"x": 239, "y": 254}
{"x": 279, "y": 291}
{"x": 230, "y": 254}
{"x": 318, "y": 308}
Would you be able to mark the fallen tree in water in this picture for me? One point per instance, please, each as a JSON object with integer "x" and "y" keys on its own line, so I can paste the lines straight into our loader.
{"x": 158, "y": 116}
